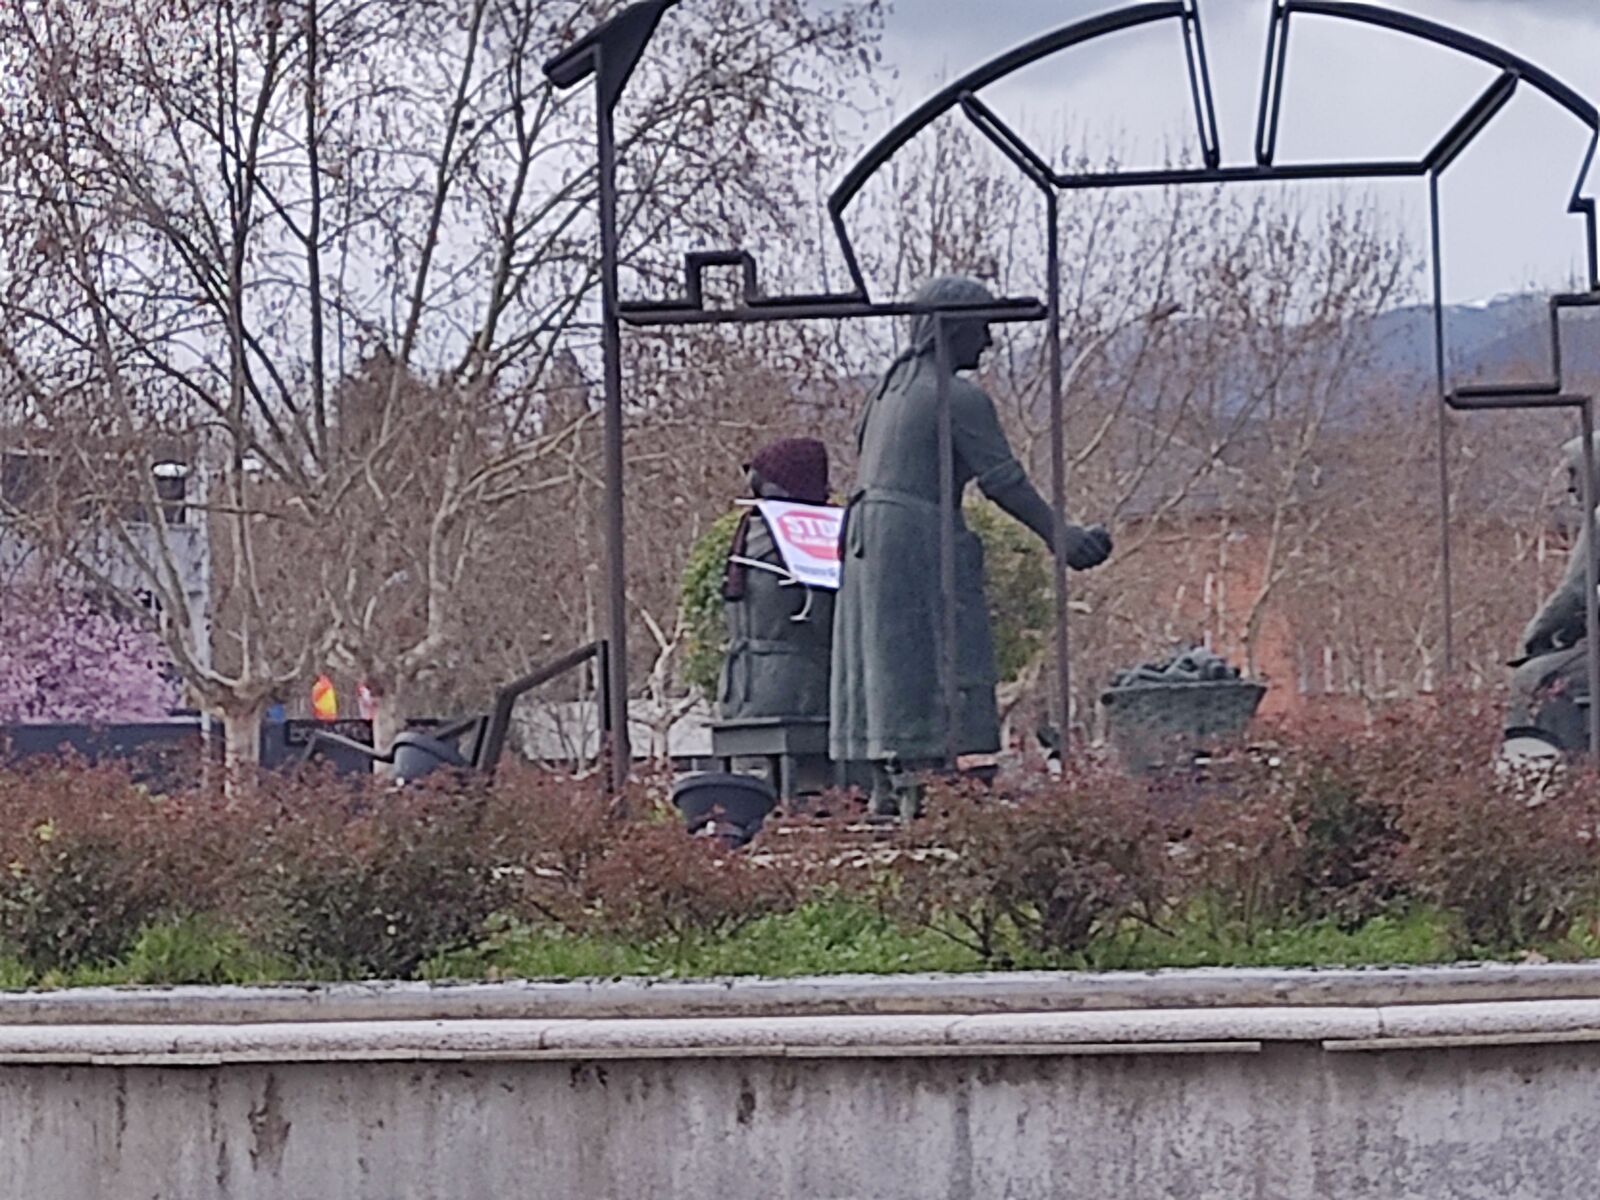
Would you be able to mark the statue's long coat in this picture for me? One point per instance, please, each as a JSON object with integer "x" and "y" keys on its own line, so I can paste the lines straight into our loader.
{"x": 887, "y": 699}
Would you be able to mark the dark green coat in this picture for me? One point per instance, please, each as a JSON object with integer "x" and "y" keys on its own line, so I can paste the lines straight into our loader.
{"x": 887, "y": 699}
{"x": 776, "y": 666}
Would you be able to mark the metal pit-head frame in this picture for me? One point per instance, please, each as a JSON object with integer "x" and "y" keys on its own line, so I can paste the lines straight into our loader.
{"x": 612, "y": 51}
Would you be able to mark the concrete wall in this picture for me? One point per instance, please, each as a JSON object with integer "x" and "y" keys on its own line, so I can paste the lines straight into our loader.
{"x": 1433, "y": 1102}
{"x": 1289, "y": 1121}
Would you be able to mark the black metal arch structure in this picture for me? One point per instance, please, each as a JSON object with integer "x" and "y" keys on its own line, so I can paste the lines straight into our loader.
{"x": 611, "y": 52}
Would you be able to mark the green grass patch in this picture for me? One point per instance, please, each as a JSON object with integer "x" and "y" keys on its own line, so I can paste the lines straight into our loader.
{"x": 834, "y": 937}
{"x": 1405, "y": 939}
{"x": 829, "y": 937}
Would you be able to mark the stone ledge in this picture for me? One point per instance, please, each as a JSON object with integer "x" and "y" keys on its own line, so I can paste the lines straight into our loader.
{"x": 962, "y": 995}
{"x": 1213, "y": 1030}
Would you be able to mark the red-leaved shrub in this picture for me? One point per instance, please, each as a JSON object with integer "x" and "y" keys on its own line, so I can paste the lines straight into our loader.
{"x": 657, "y": 884}
{"x": 622, "y": 866}
{"x": 89, "y": 858}
{"x": 356, "y": 878}
{"x": 1515, "y": 861}
{"x": 1239, "y": 857}
{"x": 1053, "y": 862}
{"x": 1319, "y": 832}
{"x": 548, "y": 832}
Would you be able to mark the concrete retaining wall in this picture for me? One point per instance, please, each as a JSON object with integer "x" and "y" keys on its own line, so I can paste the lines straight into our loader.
{"x": 1467, "y": 1099}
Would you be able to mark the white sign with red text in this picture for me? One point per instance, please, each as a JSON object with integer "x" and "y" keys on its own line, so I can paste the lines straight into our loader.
{"x": 808, "y": 538}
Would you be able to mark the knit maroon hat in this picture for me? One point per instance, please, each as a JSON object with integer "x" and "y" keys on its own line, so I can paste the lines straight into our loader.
{"x": 797, "y": 465}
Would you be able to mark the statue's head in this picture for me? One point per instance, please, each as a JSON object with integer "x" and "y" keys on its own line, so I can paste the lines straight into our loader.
{"x": 969, "y": 337}
{"x": 791, "y": 469}
{"x": 1572, "y": 459}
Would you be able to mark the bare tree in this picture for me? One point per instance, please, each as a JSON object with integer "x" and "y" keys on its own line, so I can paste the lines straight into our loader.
{"x": 337, "y": 245}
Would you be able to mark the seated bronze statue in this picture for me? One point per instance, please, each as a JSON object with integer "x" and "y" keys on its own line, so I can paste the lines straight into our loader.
{"x": 1550, "y": 681}
{"x": 779, "y": 631}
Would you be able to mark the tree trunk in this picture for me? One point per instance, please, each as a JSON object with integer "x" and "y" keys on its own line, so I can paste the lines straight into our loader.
{"x": 241, "y": 741}
{"x": 388, "y": 723}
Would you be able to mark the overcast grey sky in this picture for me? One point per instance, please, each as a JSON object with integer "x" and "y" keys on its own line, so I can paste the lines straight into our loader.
{"x": 1352, "y": 92}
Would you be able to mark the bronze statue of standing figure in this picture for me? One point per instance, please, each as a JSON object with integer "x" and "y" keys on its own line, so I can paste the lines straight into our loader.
{"x": 887, "y": 641}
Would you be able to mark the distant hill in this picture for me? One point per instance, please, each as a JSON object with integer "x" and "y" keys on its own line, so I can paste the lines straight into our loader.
{"x": 1504, "y": 339}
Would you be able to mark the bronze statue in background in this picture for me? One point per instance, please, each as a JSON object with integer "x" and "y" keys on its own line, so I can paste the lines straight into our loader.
{"x": 779, "y": 632}
{"x": 1550, "y": 680}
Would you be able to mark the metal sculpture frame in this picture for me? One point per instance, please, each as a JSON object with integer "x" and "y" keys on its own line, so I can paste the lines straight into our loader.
{"x": 486, "y": 732}
{"x": 611, "y": 52}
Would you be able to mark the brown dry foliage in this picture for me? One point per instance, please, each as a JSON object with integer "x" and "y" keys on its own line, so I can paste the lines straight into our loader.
{"x": 90, "y": 857}
{"x": 1058, "y": 864}
{"x": 354, "y": 879}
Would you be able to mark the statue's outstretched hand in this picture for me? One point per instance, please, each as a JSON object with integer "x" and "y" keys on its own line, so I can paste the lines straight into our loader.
{"x": 1558, "y": 626}
{"x": 1086, "y": 548}
{"x": 1535, "y": 643}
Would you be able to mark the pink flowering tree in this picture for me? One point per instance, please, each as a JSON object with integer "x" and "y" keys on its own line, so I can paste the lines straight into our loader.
{"x": 62, "y": 659}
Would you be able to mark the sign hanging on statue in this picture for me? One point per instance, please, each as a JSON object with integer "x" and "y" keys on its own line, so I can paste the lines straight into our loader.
{"x": 807, "y": 536}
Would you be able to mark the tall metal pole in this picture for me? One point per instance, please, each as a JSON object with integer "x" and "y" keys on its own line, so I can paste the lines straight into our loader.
{"x": 611, "y": 348}
{"x": 1058, "y": 469}
{"x": 949, "y": 660}
{"x": 1446, "y": 565}
{"x": 1591, "y": 562}
{"x": 609, "y": 55}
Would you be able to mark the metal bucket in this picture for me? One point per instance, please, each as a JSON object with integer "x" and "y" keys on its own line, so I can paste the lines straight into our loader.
{"x": 417, "y": 755}
{"x": 729, "y": 806}
{"x": 1155, "y": 726}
